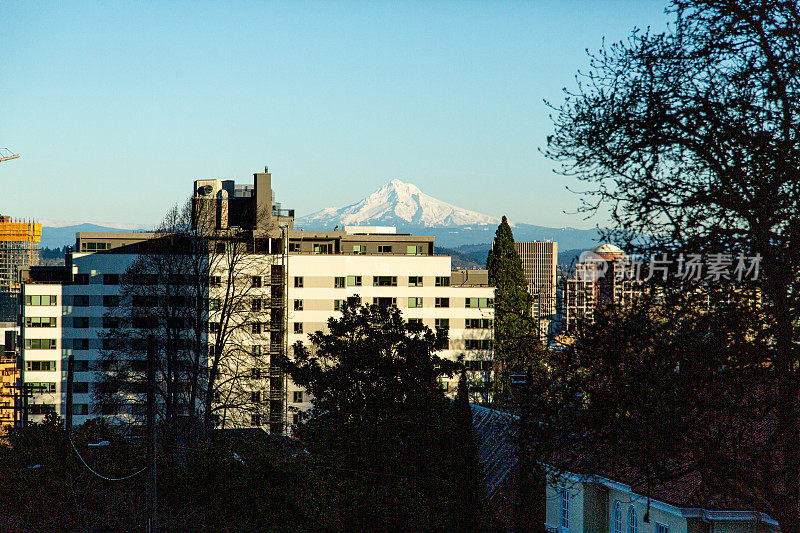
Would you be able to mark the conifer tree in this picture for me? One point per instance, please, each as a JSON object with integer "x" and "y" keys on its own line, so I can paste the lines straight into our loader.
{"x": 515, "y": 333}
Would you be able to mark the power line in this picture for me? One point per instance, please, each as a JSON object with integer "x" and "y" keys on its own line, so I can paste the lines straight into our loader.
{"x": 101, "y": 476}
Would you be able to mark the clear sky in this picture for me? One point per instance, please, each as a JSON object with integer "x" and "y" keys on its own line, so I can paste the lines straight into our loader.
{"x": 116, "y": 107}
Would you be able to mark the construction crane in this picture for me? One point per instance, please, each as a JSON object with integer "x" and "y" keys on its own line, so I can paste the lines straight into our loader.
{"x": 6, "y": 154}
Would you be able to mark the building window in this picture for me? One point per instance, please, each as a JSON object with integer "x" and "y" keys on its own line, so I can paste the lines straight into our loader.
{"x": 255, "y": 419}
{"x": 384, "y": 249}
{"x": 478, "y": 344}
{"x": 442, "y": 323}
{"x": 255, "y": 396}
{"x": 298, "y": 396}
{"x": 477, "y": 303}
{"x": 110, "y": 300}
{"x": 110, "y": 279}
{"x": 255, "y": 304}
{"x": 81, "y": 365}
{"x": 479, "y": 323}
{"x": 41, "y": 387}
{"x": 294, "y": 246}
{"x": 384, "y": 281}
{"x": 417, "y": 321}
{"x": 661, "y": 528}
{"x": 414, "y": 302}
{"x": 338, "y": 282}
{"x": 295, "y": 419}
{"x": 298, "y": 327}
{"x": 80, "y": 387}
{"x": 213, "y": 327}
{"x": 564, "y": 514}
{"x": 415, "y": 281}
{"x": 215, "y": 281}
{"x": 413, "y": 249}
{"x": 442, "y": 281}
{"x": 80, "y": 322}
{"x": 40, "y": 300}
{"x": 40, "y": 366}
{"x": 256, "y": 327}
{"x": 40, "y": 344}
{"x": 80, "y": 344}
{"x": 255, "y": 373}
{"x": 40, "y": 322}
{"x": 633, "y": 523}
{"x": 442, "y": 302}
{"x": 80, "y": 300}
{"x": 298, "y": 305}
{"x": 298, "y": 282}
{"x": 80, "y": 409}
{"x": 384, "y": 301}
{"x": 80, "y": 279}
{"x": 359, "y": 249}
{"x": 353, "y": 281}
{"x": 256, "y": 281}
{"x": 323, "y": 248}
{"x": 617, "y": 518}
{"x": 338, "y": 305}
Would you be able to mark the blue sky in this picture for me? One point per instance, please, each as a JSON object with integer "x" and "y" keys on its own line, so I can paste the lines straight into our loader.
{"x": 117, "y": 106}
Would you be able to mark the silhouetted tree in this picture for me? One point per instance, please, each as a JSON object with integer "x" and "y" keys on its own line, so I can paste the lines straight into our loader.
{"x": 690, "y": 136}
{"x": 516, "y": 339}
{"x": 379, "y": 417}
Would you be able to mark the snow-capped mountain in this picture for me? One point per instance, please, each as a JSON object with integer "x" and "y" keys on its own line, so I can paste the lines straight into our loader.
{"x": 397, "y": 203}
{"x": 412, "y": 211}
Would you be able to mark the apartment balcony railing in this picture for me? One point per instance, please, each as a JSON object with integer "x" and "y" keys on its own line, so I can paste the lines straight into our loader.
{"x": 276, "y": 394}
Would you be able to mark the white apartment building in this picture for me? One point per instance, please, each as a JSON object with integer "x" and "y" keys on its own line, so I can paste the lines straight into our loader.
{"x": 424, "y": 288}
{"x": 305, "y": 278}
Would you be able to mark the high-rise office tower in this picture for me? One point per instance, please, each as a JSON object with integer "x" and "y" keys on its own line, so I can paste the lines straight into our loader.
{"x": 539, "y": 260}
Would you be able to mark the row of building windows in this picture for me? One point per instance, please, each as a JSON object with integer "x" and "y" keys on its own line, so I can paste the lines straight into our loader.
{"x": 43, "y": 299}
{"x": 358, "y": 249}
{"x": 340, "y": 282}
{"x": 616, "y": 516}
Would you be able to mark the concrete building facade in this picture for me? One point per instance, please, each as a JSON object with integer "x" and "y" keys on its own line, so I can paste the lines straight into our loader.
{"x": 296, "y": 280}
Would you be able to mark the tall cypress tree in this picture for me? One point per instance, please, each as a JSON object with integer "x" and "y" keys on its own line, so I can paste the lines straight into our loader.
{"x": 516, "y": 341}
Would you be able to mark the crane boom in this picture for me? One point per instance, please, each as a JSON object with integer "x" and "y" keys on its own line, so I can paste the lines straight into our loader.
{"x": 6, "y": 154}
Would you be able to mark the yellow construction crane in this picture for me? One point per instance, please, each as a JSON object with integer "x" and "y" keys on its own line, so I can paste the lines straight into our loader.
{"x": 6, "y": 154}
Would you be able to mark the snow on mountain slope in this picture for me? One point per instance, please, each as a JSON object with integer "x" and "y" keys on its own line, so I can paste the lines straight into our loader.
{"x": 397, "y": 203}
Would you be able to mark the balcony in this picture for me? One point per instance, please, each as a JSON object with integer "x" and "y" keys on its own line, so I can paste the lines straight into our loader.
{"x": 276, "y": 394}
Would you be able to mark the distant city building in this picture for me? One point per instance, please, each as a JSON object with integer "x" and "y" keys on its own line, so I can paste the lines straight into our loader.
{"x": 299, "y": 279}
{"x": 9, "y": 372}
{"x": 19, "y": 248}
{"x": 539, "y": 259}
{"x": 595, "y": 283}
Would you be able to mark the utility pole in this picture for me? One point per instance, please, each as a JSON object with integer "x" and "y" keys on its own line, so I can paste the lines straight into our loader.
{"x": 70, "y": 377}
{"x": 151, "y": 435}
{"x": 25, "y": 394}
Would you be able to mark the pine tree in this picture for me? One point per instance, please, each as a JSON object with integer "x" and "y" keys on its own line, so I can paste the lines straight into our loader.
{"x": 516, "y": 343}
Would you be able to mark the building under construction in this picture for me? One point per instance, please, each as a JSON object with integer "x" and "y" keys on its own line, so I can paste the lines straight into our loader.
{"x": 19, "y": 247}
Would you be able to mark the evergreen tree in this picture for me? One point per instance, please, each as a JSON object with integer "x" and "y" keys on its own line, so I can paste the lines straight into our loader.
{"x": 516, "y": 343}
